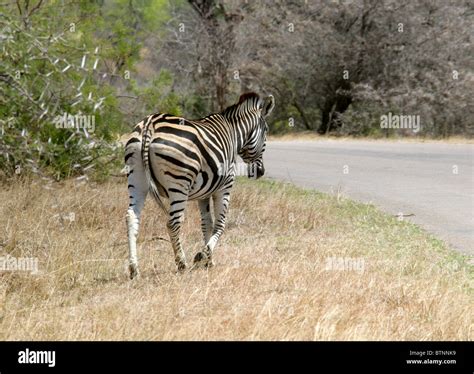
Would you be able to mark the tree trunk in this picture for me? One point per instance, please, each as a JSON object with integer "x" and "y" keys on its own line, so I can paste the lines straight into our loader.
{"x": 222, "y": 43}
{"x": 333, "y": 108}
{"x": 324, "y": 127}
{"x": 302, "y": 115}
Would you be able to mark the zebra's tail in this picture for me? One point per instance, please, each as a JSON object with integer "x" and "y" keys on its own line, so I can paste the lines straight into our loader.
{"x": 153, "y": 184}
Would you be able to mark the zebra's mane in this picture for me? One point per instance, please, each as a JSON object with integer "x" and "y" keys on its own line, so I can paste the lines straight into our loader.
{"x": 246, "y": 97}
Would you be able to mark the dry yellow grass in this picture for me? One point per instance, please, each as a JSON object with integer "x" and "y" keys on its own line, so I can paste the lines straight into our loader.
{"x": 270, "y": 281}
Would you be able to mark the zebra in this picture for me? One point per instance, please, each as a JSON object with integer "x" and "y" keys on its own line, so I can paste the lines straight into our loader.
{"x": 177, "y": 160}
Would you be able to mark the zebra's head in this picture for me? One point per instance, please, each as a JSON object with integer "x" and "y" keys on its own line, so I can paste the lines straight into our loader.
{"x": 253, "y": 112}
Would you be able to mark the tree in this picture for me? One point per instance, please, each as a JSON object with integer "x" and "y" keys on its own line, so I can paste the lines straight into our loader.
{"x": 220, "y": 22}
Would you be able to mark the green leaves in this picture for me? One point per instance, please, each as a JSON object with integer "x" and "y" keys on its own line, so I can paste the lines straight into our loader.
{"x": 49, "y": 70}
{"x": 61, "y": 71}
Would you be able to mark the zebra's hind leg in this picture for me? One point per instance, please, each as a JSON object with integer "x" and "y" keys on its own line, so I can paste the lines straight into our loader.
{"x": 221, "y": 205}
{"x": 137, "y": 191}
{"x": 207, "y": 226}
{"x": 175, "y": 219}
{"x": 207, "y": 223}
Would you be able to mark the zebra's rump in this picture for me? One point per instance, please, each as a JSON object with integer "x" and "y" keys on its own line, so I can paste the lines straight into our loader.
{"x": 184, "y": 156}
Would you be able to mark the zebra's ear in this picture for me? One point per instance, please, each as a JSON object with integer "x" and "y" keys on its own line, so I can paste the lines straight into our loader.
{"x": 268, "y": 105}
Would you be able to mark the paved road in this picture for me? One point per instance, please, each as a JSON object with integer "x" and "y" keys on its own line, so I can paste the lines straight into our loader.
{"x": 433, "y": 181}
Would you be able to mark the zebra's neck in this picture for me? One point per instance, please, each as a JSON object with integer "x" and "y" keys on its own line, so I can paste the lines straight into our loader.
{"x": 241, "y": 126}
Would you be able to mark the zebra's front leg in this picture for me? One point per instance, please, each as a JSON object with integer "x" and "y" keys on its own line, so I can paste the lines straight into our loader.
{"x": 176, "y": 218}
{"x": 221, "y": 206}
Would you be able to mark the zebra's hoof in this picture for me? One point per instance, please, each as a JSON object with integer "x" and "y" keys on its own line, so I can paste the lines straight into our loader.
{"x": 133, "y": 271}
{"x": 181, "y": 267}
{"x": 202, "y": 261}
{"x": 200, "y": 257}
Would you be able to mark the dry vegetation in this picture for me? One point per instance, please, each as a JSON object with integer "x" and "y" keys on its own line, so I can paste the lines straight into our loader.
{"x": 270, "y": 280}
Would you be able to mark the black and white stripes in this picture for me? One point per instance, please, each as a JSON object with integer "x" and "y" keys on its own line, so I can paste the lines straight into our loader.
{"x": 179, "y": 160}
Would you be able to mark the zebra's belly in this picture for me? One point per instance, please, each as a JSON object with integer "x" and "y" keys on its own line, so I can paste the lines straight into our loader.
{"x": 208, "y": 183}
